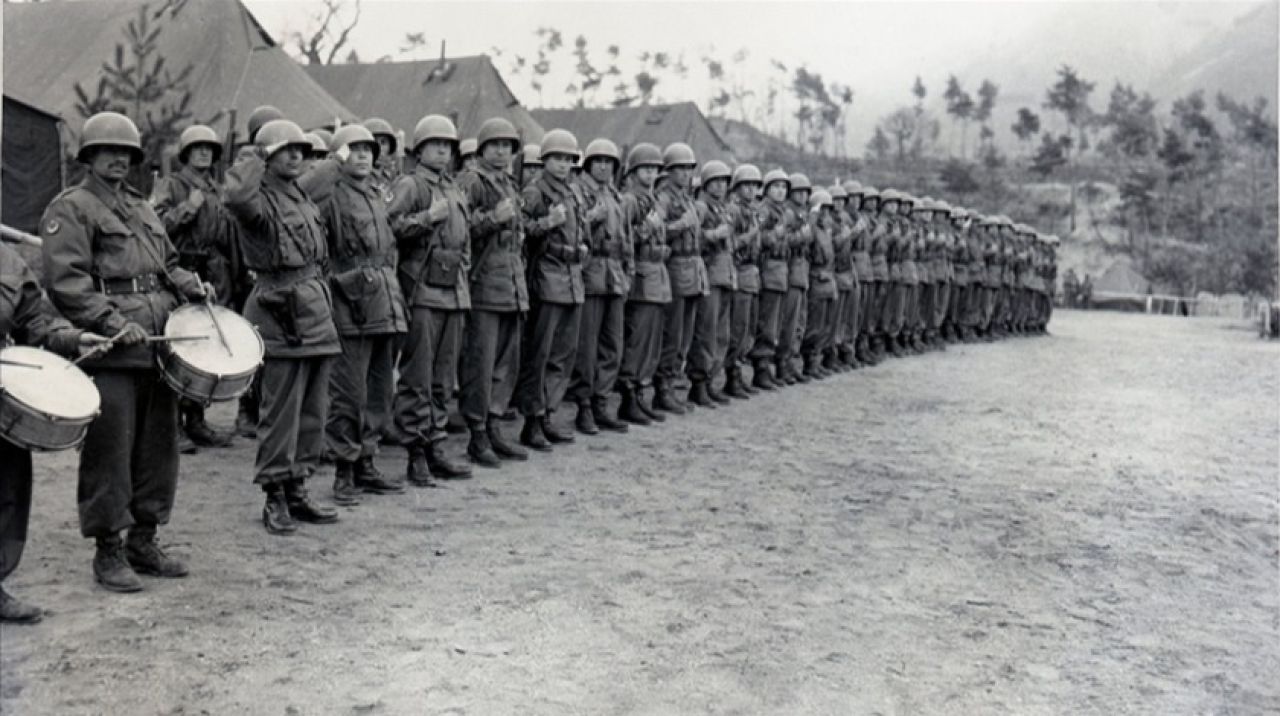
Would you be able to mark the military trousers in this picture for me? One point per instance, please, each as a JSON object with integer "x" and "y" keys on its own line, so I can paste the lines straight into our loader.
{"x": 956, "y": 303}
{"x": 846, "y": 319}
{"x": 549, "y": 348}
{"x": 681, "y": 316}
{"x": 600, "y": 346}
{"x": 642, "y": 330}
{"x": 871, "y": 297}
{"x": 989, "y": 297}
{"x": 361, "y": 384}
{"x": 711, "y": 335}
{"x": 491, "y": 343}
{"x": 790, "y": 323}
{"x": 295, "y": 404}
{"x": 820, "y": 326}
{"x": 421, "y": 411}
{"x": 765, "y": 347}
{"x": 129, "y": 460}
{"x": 15, "y": 504}
{"x": 445, "y": 372}
{"x": 743, "y": 316}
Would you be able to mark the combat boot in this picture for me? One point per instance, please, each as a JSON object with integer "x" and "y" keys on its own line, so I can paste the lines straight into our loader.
{"x": 600, "y": 411}
{"x": 504, "y": 448}
{"x": 275, "y": 513}
{"x": 441, "y": 466}
{"x": 305, "y": 509}
{"x": 811, "y": 369}
{"x": 664, "y": 400}
{"x": 717, "y": 395}
{"x": 111, "y": 569}
{"x": 368, "y": 478}
{"x": 146, "y": 557}
{"x": 698, "y": 394}
{"x": 200, "y": 432}
{"x": 798, "y": 373}
{"x": 186, "y": 446}
{"x": 14, "y": 611}
{"x": 647, "y": 408}
{"x": 630, "y": 410}
{"x": 532, "y": 435}
{"x": 416, "y": 471}
{"x": 344, "y": 484}
{"x": 761, "y": 377}
{"x": 585, "y": 420}
{"x": 733, "y": 386}
{"x": 480, "y": 450}
{"x": 555, "y": 435}
{"x": 247, "y": 418}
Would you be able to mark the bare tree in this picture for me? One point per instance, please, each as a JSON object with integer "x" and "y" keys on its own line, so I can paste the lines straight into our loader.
{"x": 331, "y": 31}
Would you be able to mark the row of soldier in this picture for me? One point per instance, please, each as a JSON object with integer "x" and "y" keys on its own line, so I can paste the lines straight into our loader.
{"x": 380, "y": 297}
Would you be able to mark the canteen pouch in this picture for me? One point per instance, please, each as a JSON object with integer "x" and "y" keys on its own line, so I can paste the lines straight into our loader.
{"x": 443, "y": 267}
{"x": 352, "y": 287}
{"x": 281, "y": 304}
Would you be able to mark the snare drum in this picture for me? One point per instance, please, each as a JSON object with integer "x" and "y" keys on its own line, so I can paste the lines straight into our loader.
{"x": 46, "y": 402}
{"x": 205, "y": 370}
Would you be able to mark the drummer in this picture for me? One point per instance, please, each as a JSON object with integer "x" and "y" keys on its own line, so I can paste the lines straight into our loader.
{"x": 27, "y": 316}
{"x": 110, "y": 268}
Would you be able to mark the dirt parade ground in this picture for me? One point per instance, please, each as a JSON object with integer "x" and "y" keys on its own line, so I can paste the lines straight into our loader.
{"x": 1078, "y": 524}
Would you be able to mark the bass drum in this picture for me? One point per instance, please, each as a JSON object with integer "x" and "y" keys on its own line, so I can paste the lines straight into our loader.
{"x": 206, "y": 370}
{"x": 46, "y": 401}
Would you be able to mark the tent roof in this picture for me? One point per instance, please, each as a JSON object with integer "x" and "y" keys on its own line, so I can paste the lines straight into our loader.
{"x": 660, "y": 124}
{"x": 49, "y": 47}
{"x": 1121, "y": 277}
{"x": 468, "y": 89}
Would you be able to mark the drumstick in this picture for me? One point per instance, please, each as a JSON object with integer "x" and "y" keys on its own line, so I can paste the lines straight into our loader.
{"x": 20, "y": 364}
{"x": 100, "y": 348}
{"x": 208, "y": 306}
{"x": 174, "y": 339}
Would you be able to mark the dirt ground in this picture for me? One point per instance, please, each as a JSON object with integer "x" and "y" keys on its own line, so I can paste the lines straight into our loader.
{"x": 1085, "y": 524}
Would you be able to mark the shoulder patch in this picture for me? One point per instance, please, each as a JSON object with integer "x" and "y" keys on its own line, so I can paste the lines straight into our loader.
{"x": 51, "y": 226}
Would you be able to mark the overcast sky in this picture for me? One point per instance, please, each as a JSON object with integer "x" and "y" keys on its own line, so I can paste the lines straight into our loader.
{"x": 876, "y": 47}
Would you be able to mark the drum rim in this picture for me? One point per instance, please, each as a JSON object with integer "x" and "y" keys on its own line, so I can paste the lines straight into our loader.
{"x": 6, "y": 394}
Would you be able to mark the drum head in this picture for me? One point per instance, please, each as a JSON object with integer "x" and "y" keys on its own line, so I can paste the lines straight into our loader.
{"x": 58, "y": 388}
{"x": 209, "y": 354}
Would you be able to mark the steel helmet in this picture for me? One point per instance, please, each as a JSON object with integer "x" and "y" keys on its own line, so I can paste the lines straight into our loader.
{"x": 800, "y": 182}
{"x": 923, "y": 205}
{"x": 198, "y": 134}
{"x": 496, "y": 128}
{"x": 643, "y": 154}
{"x": 678, "y": 154}
{"x": 468, "y": 147}
{"x": 853, "y": 188}
{"x": 777, "y": 175}
{"x": 889, "y": 195}
{"x": 941, "y": 207}
{"x": 745, "y": 174}
{"x": 111, "y": 129}
{"x": 714, "y": 169}
{"x": 959, "y": 212}
{"x": 380, "y": 127}
{"x": 602, "y": 148}
{"x": 434, "y": 126}
{"x": 355, "y": 134}
{"x": 558, "y": 141}
{"x": 284, "y": 133}
{"x": 837, "y": 192}
{"x": 820, "y": 198}
{"x": 530, "y": 155}
{"x": 325, "y": 136}
{"x": 259, "y": 117}
{"x": 316, "y": 144}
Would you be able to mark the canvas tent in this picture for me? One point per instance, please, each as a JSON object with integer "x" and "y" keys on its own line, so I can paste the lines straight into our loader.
{"x": 32, "y": 163}
{"x": 1121, "y": 288}
{"x": 49, "y": 47}
{"x": 468, "y": 90}
{"x": 660, "y": 124}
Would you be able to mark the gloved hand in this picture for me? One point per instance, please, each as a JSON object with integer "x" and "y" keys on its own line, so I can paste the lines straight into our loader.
{"x": 504, "y": 211}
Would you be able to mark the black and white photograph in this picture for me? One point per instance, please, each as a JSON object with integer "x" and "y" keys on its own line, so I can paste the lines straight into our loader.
{"x": 830, "y": 357}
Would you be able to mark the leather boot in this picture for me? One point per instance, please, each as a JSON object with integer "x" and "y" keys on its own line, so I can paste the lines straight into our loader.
{"x": 305, "y": 509}
{"x": 716, "y": 395}
{"x": 698, "y": 394}
{"x": 761, "y": 378}
{"x": 200, "y": 432}
{"x": 504, "y": 448}
{"x": 830, "y": 364}
{"x": 441, "y": 467}
{"x": 14, "y": 611}
{"x": 146, "y": 557}
{"x": 554, "y": 434}
{"x": 186, "y": 446}
{"x": 480, "y": 450}
{"x": 585, "y": 420}
{"x": 531, "y": 435}
{"x": 246, "y": 418}
{"x": 629, "y": 410}
{"x": 111, "y": 569}
{"x": 600, "y": 411}
{"x": 645, "y": 407}
{"x": 275, "y": 513}
{"x": 665, "y": 401}
{"x": 733, "y": 385}
{"x": 416, "y": 472}
{"x": 370, "y": 479}
{"x": 344, "y": 484}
